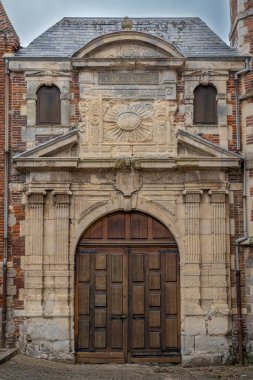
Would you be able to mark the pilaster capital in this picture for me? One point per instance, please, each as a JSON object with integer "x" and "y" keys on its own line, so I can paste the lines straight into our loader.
{"x": 192, "y": 196}
{"x": 218, "y": 196}
{"x": 35, "y": 197}
{"x": 61, "y": 197}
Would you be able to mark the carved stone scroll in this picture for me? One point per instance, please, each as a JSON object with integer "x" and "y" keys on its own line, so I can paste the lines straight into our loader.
{"x": 218, "y": 199}
{"x": 192, "y": 200}
{"x": 62, "y": 201}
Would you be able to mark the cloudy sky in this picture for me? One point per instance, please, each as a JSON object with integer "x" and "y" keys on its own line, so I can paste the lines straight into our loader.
{"x": 32, "y": 17}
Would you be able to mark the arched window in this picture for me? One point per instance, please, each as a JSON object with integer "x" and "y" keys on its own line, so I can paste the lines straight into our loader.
{"x": 48, "y": 105}
{"x": 205, "y": 105}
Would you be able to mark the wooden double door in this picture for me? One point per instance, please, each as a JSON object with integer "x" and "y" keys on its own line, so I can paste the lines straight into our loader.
{"x": 127, "y": 292}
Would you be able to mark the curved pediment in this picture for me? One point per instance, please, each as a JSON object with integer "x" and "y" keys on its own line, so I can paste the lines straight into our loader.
{"x": 127, "y": 45}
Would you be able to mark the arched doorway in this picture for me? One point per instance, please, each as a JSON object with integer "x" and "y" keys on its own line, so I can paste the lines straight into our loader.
{"x": 127, "y": 291}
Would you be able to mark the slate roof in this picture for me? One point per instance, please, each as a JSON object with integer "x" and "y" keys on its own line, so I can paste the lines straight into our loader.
{"x": 191, "y": 36}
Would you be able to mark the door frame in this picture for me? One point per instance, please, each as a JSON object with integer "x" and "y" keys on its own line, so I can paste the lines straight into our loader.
{"x": 98, "y": 357}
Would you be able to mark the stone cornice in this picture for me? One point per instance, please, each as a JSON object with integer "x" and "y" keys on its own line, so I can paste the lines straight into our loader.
{"x": 42, "y": 163}
{"x": 154, "y": 63}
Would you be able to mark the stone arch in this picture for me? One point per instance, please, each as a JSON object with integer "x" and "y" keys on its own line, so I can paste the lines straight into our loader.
{"x": 150, "y": 208}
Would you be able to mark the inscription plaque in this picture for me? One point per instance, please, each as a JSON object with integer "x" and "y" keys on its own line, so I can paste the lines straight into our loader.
{"x": 128, "y": 78}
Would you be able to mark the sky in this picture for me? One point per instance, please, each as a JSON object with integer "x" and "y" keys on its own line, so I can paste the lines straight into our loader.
{"x": 30, "y": 18}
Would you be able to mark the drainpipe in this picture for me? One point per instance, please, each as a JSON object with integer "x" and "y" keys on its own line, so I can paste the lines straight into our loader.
{"x": 237, "y": 75}
{"x": 238, "y": 268}
{"x": 245, "y": 221}
{"x": 6, "y": 202}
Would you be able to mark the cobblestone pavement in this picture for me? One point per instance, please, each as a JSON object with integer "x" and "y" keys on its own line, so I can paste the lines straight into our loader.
{"x": 24, "y": 368}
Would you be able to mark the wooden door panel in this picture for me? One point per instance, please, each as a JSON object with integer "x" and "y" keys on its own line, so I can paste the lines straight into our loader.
{"x": 170, "y": 266}
{"x": 155, "y": 340}
{"x": 139, "y": 226}
{"x": 102, "y": 301}
{"x": 138, "y": 299}
{"x": 171, "y": 333}
{"x": 84, "y": 298}
{"x": 100, "y": 317}
{"x": 116, "y": 300}
{"x": 117, "y": 333}
{"x": 84, "y": 262}
{"x": 100, "y": 281}
{"x": 117, "y": 268}
{"x": 83, "y": 333}
{"x": 138, "y": 268}
{"x": 116, "y": 226}
{"x": 153, "y": 302}
{"x": 100, "y": 340}
{"x": 154, "y": 318}
{"x": 171, "y": 298}
{"x": 138, "y": 333}
{"x": 154, "y": 281}
{"x": 101, "y": 261}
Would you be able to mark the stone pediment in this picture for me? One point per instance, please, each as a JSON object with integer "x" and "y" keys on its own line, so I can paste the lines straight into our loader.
{"x": 48, "y": 73}
{"x": 193, "y": 146}
{"x": 127, "y": 45}
{"x": 66, "y": 151}
{"x": 63, "y": 146}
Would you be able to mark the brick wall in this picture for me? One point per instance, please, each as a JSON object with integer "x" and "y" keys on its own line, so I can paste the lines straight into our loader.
{"x": 9, "y": 42}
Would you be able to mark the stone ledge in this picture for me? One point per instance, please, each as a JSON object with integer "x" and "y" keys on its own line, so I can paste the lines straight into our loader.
{"x": 6, "y": 354}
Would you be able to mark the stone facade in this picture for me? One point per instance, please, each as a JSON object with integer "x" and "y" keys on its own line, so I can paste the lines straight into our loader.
{"x": 127, "y": 141}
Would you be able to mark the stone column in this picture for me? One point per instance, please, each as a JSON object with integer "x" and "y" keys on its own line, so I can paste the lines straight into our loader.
{"x": 34, "y": 253}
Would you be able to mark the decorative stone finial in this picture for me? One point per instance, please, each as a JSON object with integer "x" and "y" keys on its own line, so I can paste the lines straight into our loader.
{"x": 127, "y": 23}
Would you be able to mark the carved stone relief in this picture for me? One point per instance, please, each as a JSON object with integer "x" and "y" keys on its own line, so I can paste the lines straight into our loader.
{"x": 129, "y": 50}
{"x": 88, "y": 206}
{"x": 128, "y": 122}
{"x": 167, "y": 205}
{"x": 127, "y": 182}
{"x": 90, "y": 111}
{"x": 116, "y": 121}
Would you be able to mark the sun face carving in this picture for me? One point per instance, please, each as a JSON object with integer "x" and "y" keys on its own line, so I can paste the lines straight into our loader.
{"x": 127, "y": 122}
